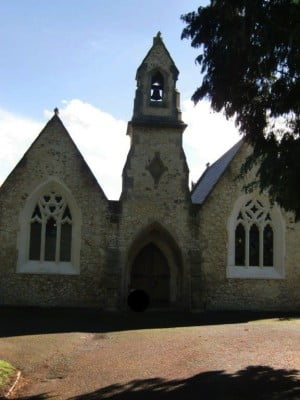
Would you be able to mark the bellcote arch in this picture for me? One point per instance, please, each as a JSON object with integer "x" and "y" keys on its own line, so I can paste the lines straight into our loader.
{"x": 157, "y": 88}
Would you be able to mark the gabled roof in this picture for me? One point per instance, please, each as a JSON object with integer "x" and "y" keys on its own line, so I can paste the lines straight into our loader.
{"x": 55, "y": 123}
{"x": 212, "y": 174}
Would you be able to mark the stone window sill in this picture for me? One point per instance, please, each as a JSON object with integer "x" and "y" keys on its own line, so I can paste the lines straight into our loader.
{"x": 254, "y": 273}
{"x": 48, "y": 268}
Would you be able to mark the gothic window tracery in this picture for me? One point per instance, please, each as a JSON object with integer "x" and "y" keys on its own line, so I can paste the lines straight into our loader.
{"x": 254, "y": 239}
{"x": 51, "y": 229}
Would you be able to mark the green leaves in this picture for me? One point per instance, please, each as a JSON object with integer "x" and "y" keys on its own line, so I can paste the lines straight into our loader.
{"x": 6, "y": 372}
{"x": 250, "y": 58}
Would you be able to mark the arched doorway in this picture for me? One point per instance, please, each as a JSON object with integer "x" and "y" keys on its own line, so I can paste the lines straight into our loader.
{"x": 150, "y": 272}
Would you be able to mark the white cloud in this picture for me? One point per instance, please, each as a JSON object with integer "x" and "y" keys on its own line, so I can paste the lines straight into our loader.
{"x": 103, "y": 142}
{"x": 101, "y": 139}
{"x": 208, "y": 136}
{"x": 99, "y": 136}
{"x": 16, "y": 135}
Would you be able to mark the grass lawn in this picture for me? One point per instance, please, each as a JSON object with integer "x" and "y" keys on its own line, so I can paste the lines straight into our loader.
{"x": 7, "y": 371}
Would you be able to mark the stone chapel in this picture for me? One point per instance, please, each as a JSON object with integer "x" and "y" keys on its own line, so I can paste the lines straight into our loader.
{"x": 63, "y": 243}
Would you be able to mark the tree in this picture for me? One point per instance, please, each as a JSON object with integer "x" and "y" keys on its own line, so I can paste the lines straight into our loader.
{"x": 250, "y": 60}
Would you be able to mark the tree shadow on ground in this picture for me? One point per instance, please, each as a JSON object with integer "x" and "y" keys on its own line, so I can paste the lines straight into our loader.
{"x": 29, "y": 320}
{"x": 254, "y": 382}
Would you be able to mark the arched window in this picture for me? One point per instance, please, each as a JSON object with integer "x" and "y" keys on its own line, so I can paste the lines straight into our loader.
{"x": 157, "y": 87}
{"x": 51, "y": 229}
{"x": 256, "y": 242}
{"x": 50, "y": 232}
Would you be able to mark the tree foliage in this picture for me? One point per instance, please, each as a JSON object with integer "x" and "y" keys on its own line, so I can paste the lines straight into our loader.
{"x": 250, "y": 58}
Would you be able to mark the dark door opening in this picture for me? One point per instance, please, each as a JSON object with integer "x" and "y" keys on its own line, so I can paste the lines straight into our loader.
{"x": 151, "y": 273}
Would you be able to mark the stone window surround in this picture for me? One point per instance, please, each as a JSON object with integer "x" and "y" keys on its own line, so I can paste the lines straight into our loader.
{"x": 278, "y": 226}
{"x": 24, "y": 265}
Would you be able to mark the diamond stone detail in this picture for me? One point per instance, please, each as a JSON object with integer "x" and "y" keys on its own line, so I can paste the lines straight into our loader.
{"x": 156, "y": 168}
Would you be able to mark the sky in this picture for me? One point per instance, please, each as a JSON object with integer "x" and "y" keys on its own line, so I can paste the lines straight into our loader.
{"x": 81, "y": 56}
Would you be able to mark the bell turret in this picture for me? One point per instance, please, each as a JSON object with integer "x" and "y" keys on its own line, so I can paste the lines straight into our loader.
{"x": 156, "y": 98}
{"x": 156, "y": 170}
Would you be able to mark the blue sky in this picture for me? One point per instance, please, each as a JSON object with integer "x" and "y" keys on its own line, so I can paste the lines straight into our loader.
{"x": 82, "y": 56}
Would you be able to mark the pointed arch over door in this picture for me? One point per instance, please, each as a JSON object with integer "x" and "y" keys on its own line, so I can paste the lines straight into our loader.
{"x": 155, "y": 266}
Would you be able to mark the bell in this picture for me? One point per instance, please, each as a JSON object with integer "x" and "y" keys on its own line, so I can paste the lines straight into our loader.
{"x": 156, "y": 94}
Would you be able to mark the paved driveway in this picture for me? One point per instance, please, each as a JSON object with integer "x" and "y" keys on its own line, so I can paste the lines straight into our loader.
{"x": 83, "y": 354}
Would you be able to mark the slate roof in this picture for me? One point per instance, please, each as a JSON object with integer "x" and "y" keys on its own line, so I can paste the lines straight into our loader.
{"x": 212, "y": 174}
